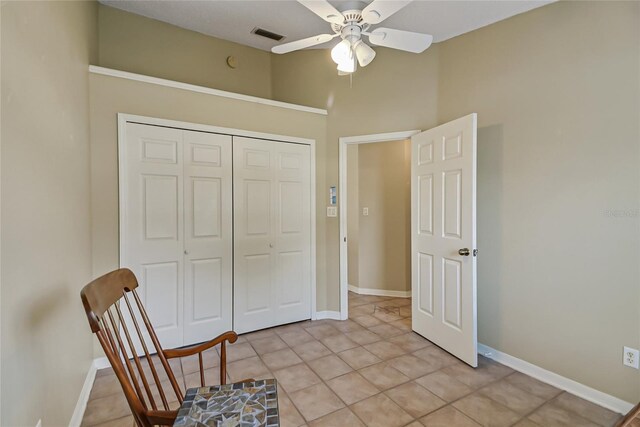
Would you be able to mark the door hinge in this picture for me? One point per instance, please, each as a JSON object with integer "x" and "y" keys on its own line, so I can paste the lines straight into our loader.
{"x": 475, "y": 252}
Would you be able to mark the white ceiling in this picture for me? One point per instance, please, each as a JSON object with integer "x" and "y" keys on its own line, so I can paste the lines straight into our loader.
{"x": 234, "y": 19}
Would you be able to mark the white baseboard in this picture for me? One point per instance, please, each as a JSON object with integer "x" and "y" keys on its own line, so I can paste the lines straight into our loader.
{"x": 379, "y": 292}
{"x": 101, "y": 363}
{"x": 592, "y": 395}
{"x": 81, "y": 405}
{"x": 334, "y": 315}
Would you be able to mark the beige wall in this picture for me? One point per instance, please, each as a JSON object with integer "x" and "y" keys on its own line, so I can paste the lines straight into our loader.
{"x": 557, "y": 92}
{"x": 384, "y": 236}
{"x": 142, "y": 45}
{"x": 557, "y": 96}
{"x": 45, "y": 226}
{"x": 110, "y": 96}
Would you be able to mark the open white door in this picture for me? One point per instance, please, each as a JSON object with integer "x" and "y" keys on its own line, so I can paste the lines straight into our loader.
{"x": 443, "y": 236}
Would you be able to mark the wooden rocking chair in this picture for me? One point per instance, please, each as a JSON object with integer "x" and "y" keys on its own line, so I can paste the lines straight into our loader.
{"x": 102, "y": 302}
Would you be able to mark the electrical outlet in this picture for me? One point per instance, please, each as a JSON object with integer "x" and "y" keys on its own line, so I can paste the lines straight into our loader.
{"x": 631, "y": 357}
{"x": 365, "y": 211}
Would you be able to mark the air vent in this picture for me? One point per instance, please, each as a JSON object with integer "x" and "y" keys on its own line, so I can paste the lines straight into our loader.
{"x": 268, "y": 34}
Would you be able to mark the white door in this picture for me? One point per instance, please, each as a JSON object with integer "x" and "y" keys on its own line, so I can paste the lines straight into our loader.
{"x": 272, "y": 233}
{"x": 152, "y": 227}
{"x": 175, "y": 205}
{"x": 443, "y": 227}
{"x": 208, "y": 236}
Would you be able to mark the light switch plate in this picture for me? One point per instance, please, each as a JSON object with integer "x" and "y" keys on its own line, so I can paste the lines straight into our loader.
{"x": 365, "y": 211}
{"x": 332, "y": 211}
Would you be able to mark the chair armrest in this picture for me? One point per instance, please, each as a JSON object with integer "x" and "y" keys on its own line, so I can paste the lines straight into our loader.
{"x": 162, "y": 418}
{"x": 199, "y": 348}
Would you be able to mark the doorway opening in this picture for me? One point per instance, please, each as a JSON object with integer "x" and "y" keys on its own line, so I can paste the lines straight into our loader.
{"x": 375, "y": 224}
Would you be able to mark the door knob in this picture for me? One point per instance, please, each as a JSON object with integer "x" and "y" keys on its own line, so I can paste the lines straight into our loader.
{"x": 271, "y": 245}
{"x": 186, "y": 252}
{"x": 464, "y": 252}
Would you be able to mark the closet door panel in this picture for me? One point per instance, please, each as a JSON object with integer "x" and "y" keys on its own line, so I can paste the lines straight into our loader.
{"x": 272, "y": 187}
{"x": 254, "y": 298}
{"x": 208, "y": 244}
{"x": 292, "y": 231}
{"x": 152, "y": 226}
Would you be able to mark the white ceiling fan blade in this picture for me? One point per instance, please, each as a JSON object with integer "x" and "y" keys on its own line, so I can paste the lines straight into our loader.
{"x": 301, "y": 44}
{"x": 398, "y": 39}
{"x": 379, "y": 10}
{"x": 324, "y": 10}
{"x": 364, "y": 53}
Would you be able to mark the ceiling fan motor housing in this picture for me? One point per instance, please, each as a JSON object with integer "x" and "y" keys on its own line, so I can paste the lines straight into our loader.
{"x": 351, "y": 33}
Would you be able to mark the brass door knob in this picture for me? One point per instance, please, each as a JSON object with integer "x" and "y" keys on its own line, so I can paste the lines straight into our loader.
{"x": 464, "y": 252}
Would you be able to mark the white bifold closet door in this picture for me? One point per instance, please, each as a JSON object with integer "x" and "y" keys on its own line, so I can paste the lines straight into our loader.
{"x": 177, "y": 229}
{"x": 272, "y": 233}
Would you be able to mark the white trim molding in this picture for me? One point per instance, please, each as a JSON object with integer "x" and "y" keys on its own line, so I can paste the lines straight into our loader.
{"x": 379, "y": 292}
{"x": 342, "y": 185}
{"x": 94, "y": 69}
{"x": 592, "y": 395}
{"x": 81, "y": 405}
{"x": 101, "y": 363}
{"x": 333, "y": 315}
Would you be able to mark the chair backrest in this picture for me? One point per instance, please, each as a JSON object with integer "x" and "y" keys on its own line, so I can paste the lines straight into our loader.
{"x": 115, "y": 319}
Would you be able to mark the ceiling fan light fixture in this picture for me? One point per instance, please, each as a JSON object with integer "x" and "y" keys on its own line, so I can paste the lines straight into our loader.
{"x": 341, "y": 52}
{"x": 348, "y": 66}
{"x": 364, "y": 53}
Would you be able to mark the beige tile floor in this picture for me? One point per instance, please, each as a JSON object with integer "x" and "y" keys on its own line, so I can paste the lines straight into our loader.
{"x": 370, "y": 370}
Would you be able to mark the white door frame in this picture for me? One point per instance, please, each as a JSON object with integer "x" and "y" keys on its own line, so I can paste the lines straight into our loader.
{"x": 124, "y": 118}
{"x": 342, "y": 186}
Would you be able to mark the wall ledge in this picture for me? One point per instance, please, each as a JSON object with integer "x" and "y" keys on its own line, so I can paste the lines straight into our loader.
{"x": 95, "y": 69}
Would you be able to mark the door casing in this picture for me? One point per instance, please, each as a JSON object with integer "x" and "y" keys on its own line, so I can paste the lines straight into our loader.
{"x": 342, "y": 194}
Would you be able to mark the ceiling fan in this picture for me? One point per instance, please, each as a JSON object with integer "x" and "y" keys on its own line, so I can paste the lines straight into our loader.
{"x": 353, "y": 23}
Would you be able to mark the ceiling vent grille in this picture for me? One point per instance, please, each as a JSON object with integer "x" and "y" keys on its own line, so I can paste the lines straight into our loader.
{"x": 268, "y": 34}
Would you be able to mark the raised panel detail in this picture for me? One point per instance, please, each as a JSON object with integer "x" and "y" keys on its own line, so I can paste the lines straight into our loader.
{"x": 258, "y": 286}
{"x": 159, "y": 151}
{"x": 451, "y": 203}
{"x": 160, "y": 206}
{"x": 452, "y": 298}
{"x": 452, "y": 147}
{"x": 207, "y": 288}
{"x": 290, "y": 161}
{"x": 257, "y": 203}
{"x": 290, "y": 280}
{"x": 160, "y": 281}
{"x": 256, "y": 159}
{"x": 205, "y": 155}
{"x": 425, "y": 153}
{"x": 290, "y": 207}
{"x": 425, "y": 287}
{"x": 425, "y": 208}
{"x": 206, "y": 207}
